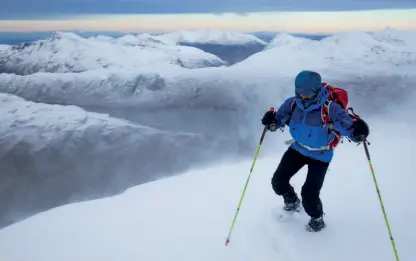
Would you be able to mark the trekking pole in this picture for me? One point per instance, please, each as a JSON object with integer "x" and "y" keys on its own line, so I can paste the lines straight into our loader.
{"x": 245, "y": 186}
{"x": 379, "y": 197}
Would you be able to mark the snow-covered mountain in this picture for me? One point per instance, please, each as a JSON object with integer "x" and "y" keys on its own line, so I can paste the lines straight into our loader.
{"x": 283, "y": 39}
{"x": 141, "y": 88}
{"x": 143, "y": 40}
{"x": 52, "y": 155}
{"x": 210, "y": 37}
{"x": 349, "y": 59}
{"x": 353, "y": 51}
{"x": 67, "y": 52}
{"x": 230, "y": 46}
{"x": 188, "y": 217}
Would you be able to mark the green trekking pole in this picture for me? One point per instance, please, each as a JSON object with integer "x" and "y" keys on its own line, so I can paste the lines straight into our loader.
{"x": 380, "y": 199}
{"x": 248, "y": 179}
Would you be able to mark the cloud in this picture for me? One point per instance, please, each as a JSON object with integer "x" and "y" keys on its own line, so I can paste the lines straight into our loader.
{"x": 52, "y": 8}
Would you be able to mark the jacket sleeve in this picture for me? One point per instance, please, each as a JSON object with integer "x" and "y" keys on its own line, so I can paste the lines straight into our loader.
{"x": 341, "y": 121}
{"x": 284, "y": 113}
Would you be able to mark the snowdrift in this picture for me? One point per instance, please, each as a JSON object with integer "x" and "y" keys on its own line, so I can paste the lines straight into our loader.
{"x": 52, "y": 155}
{"x": 187, "y": 217}
{"x": 68, "y": 52}
{"x": 210, "y": 37}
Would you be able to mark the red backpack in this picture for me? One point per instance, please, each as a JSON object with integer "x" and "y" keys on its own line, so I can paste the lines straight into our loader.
{"x": 339, "y": 96}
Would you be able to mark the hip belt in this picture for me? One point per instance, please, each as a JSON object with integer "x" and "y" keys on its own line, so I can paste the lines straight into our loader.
{"x": 290, "y": 142}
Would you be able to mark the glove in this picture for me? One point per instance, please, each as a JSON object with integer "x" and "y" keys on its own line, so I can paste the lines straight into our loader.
{"x": 361, "y": 130}
{"x": 269, "y": 120}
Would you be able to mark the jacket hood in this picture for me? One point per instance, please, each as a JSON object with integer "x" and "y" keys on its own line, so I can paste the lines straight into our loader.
{"x": 315, "y": 103}
{"x": 308, "y": 82}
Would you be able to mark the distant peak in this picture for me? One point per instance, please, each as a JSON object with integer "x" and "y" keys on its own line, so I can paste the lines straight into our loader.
{"x": 58, "y": 35}
{"x": 209, "y": 36}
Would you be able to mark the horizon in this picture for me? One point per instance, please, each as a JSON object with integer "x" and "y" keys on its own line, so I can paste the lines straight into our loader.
{"x": 318, "y": 22}
{"x": 14, "y": 38}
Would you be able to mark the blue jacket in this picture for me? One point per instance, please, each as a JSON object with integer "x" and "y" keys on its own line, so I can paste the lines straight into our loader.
{"x": 307, "y": 127}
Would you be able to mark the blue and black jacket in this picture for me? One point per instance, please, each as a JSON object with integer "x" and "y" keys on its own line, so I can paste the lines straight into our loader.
{"x": 308, "y": 129}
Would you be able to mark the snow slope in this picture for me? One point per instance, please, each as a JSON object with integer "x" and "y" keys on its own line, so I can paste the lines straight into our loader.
{"x": 353, "y": 51}
{"x": 366, "y": 64}
{"x": 52, "y": 155}
{"x": 68, "y": 52}
{"x": 187, "y": 217}
{"x": 210, "y": 37}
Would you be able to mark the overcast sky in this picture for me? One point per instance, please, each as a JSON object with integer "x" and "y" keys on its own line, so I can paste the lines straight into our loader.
{"x": 45, "y": 9}
{"x": 240, "y": 15}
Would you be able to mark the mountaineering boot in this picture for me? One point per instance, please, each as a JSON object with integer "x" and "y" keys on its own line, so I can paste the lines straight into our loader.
{"x": 316, "y": 224}
{"x": 292, "y": 202}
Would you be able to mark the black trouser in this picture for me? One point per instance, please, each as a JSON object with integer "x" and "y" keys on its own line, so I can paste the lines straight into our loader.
{"x": 292, "y": 161}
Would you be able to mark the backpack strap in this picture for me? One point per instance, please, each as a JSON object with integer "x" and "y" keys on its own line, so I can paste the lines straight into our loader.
{"x": 292, "y": 108}
{"x": 327, "y": 122}
{"x": 292, "y": 105}
{"x": 325, "y": 112}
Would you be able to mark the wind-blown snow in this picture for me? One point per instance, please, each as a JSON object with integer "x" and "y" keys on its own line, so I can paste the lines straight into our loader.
{"x": 68, "y": 52}
{"x": 187, "y": 217}
{"x": 210, "y": 37}
{"x": 52, "y": 155}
